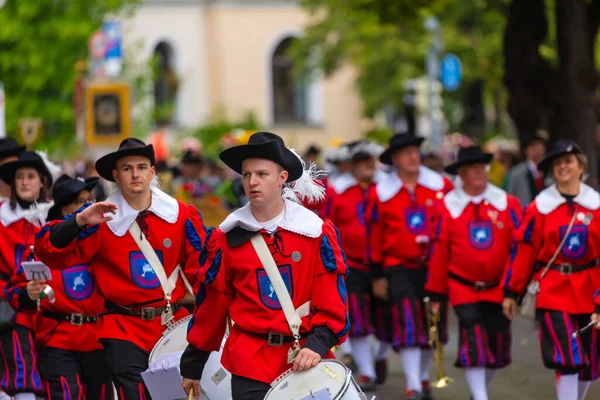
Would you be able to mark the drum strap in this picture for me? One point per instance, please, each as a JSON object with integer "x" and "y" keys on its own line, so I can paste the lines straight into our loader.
{"x": 168, "y": 284}
{"x": 292, "y": 315}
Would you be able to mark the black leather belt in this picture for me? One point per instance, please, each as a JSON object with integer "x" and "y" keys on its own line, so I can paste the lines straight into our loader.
{"x": 478, "y": 286}
{"x": 76, "y": 319}
{"x": 145, "y": 313}
{"x": 277, "y": 339}
{"x": 568, "y": 268}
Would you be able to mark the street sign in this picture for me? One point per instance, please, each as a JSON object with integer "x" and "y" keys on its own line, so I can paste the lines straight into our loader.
{"x": 451, "y": 72}
{"x": 113, "y": 57}
{"x": 30, "y": 130}
{"x": 107, "y": 113}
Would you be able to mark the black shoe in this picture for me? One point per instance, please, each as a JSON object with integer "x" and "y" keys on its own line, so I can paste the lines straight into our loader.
{"x": 427, "y": 393}
{"x": 381, "y": 371}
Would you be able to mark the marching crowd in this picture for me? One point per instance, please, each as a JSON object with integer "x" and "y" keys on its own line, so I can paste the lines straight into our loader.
{"x": 376, "y": 247}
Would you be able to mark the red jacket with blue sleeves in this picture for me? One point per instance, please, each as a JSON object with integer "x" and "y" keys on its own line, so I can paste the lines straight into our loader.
{"x": 234, "y": 284}
{"x": 75, "y": 292}
{"x": 17, "y": 235}
{"x": 399, "y": 221}
{"x": 124, "y": 277}
{"x": 538, "y": 238}
{"x": 472, "y": 241}
{"x": 345, "y": 206}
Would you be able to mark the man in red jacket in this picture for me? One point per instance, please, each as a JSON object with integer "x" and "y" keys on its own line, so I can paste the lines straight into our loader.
{"x": 470, "y": 254}
{"x": 345, "y": 207}
{"x": 140, "y": 305}
{"x": 399, "y": 214}
{"x": 234, "y": 284}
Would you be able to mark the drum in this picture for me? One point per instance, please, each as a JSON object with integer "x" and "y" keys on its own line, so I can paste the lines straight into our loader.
{"x": 330, "y": 379}
{"x": 216, "y": 380}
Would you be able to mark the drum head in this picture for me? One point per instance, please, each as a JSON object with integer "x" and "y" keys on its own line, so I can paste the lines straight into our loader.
{"x": 174, "y": 340}
{"x": 328, "y": 374}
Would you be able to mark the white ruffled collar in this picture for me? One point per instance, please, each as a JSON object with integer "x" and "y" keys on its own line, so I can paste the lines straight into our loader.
{"x": 296, "y": 219}
{"x": 391, "y": 184}
{"x": 550, "y": 198}
{"x": 163, "y": 205}
{"x": 37, "y": 214}
{"x": 346, "y": 180}
{"x": 457, "y": 200}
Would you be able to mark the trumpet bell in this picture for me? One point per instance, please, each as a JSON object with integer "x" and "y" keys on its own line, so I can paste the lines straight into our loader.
{"x": 442, "y": 382}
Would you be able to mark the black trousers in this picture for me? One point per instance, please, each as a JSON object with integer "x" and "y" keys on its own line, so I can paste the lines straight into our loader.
{"x": 75, "y": 374}
{"x": 19, "y": 367}
{"x": 126, "y": 362}
{"x": 248, "y": 389}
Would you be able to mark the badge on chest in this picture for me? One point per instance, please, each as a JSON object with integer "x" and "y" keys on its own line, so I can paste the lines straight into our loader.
{"x": 142, "y": 272}
{"x": 576, "y": 243}
{"x": 416, "y": 219}
{"x": 481, "y": 234}
{"x": 78, "y": 282}
{"x": 266, "y": 292}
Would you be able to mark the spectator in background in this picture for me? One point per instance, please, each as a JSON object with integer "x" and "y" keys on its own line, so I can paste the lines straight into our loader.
{"x": 190, "y": 178}
{"x": 434, "y": 162}
{"x": 524, "y": 180}
{"x": 100, "y": 191}
{"x": 312, "y": 155}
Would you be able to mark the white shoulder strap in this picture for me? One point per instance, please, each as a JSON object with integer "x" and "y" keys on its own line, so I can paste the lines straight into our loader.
{"x": 293, "y": 316}
{"x": 167, "y": 284}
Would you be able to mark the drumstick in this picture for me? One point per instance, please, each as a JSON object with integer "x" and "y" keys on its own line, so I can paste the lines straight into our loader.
{"x": 191, "y": 395}
{"x": 584, "y": 329}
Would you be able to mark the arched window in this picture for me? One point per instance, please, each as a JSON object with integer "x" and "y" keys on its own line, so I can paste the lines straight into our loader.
{"x": 289, "y": 93}
{"x": 165, "y": 84}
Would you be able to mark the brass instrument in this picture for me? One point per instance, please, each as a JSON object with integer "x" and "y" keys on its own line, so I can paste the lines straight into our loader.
{"x": 436, "y": 345}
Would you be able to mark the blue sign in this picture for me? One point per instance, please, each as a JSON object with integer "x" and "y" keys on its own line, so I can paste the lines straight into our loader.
{"x": 114, "y": 38}
{"x": 451, "y": 72}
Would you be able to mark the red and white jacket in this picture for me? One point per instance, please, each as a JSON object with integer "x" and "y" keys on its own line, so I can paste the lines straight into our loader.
{"x": 399, "y": 221}
{"x": 471, "y": 240}
{"x": 543, "y": 227}
{"x": 346, "y": 204}
{"x": 233, "y": 283}
{"x": 124, "y": 277}
{"x": 18, "y": 228}
{"x": 75, "y": 292}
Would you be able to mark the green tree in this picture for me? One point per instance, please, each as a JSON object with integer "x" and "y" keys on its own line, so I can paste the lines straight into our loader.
{"x": 385, "y": 40}
{"x": 40, "y": 43}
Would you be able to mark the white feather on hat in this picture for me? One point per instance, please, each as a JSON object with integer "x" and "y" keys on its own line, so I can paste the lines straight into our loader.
{"x": 307, "y": 187}
{"x": 55, "y": 170}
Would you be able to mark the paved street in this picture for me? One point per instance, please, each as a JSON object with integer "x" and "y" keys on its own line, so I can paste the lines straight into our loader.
{"x": 525, "y": 379}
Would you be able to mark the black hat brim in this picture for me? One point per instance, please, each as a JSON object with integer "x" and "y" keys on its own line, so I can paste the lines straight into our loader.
{"x": 235, "y": 156}
{"x": 106, "y": 164}
{"x": 11, "y": 152}
{"x": 8, "y": 170}
{"x": 386, "y": 156}
{"x": 544, "y": 165}
{"x": 485, "y": 158}
{"x": 64, "y": 193}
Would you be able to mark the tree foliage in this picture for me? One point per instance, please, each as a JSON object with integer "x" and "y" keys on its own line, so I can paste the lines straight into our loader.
{"x": 40, "y": 43}
{"x": 386, "y": 41}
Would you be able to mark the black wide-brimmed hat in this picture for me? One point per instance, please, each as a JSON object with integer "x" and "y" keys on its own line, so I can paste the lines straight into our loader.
{"x": 559, "y": 149}
{"x": 25, "y": 159}
{"x": 189, "y": 157}
{"x": 65, "y": 191}
{"x": 268, "y": 146}
{"x": 9, "y": 148}
{"x": 128, "y": 147}
{"x": 397, "y": 143}
{"x": 66, "y": 187}
{"x": 539, "y": 135}
{"x": 468, "y": 156}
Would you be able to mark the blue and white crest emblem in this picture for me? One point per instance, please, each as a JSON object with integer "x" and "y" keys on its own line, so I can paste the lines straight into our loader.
{"x": 78, "y": 282}
{"x": 416, "y": 221}
{"x": 142, "y": 272}
{"x": 481, "y": 234}
{"x": 576, "y": 244}
{"x": 266, "y": 292}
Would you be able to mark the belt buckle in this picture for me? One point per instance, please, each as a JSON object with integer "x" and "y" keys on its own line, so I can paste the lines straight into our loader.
{"x": 566, "y": 269}
{"x": 480, "y": 286}
{"x": 148, "y": 313}
{"x": 76, "y": 319}
{"x": 275, "y": 339}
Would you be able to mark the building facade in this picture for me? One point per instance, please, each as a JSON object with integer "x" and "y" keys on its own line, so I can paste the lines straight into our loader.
{"x": 231, "y": 55}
